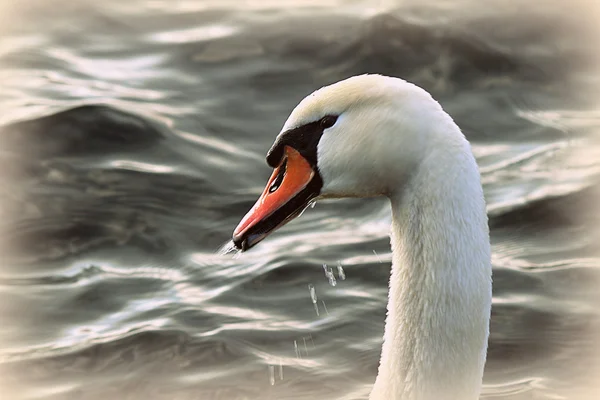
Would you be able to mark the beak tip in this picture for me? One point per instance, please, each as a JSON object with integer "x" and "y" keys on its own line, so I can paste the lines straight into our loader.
{"x": 240, "y": 242}
{"x": 239, "y": 239}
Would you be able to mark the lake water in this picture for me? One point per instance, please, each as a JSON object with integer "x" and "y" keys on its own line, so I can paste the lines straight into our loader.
{"x": 133, "y": 141}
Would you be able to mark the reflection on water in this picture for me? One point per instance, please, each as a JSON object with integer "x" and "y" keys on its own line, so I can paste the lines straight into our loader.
{"x": 133, "y": 141}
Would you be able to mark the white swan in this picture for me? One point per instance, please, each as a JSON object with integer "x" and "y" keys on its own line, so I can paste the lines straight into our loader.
{"x": 373, "y": 135}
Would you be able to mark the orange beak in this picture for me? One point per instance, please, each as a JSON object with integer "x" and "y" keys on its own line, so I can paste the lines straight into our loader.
{"x": 288, "y": 192}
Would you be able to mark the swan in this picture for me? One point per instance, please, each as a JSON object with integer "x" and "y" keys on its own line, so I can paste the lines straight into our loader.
{"x": 373, "y": 135}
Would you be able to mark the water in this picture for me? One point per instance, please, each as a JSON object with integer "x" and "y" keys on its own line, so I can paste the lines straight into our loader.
{"x": 133, "y": 141}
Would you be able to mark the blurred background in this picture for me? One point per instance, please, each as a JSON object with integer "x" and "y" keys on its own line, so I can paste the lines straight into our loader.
{"x": 132, "y": 141}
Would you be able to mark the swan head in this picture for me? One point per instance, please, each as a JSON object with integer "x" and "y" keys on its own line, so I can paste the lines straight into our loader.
{"x": 360, "y": 137}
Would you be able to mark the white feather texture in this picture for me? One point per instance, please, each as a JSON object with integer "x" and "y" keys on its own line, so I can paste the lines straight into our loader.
{"x": 393, "y": 139}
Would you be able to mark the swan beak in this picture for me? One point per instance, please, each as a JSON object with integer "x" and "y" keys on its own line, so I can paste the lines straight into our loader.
{"x": 293, "y": 184}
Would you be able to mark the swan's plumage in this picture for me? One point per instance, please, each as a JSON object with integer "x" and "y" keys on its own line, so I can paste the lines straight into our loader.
{"x": 392, "y": 138}
{"x": 369, "y": 90}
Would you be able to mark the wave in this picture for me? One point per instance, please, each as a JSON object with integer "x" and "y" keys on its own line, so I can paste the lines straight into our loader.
{"x": 80, "y": 132}
{"x": 573, "y": 209}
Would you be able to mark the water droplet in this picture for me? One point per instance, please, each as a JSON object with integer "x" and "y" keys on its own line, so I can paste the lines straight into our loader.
{"x": 329, "y": 275}
{"x": 325, "y": 307}
{"x": 272, "y": 374}
{"x": 227, "y": 248}
{"x": 304, "y": 209}
{"x": 280, "y": 371}
{"x": 298, "y": 355}
{"x": 341, "y": 273}
{"x": 313, "y": 297}
{"x": 313, "y": 293}
{"x": 377, "y": 255}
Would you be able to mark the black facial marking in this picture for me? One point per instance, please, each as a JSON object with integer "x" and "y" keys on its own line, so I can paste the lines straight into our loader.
{"x": 304, "y": 139}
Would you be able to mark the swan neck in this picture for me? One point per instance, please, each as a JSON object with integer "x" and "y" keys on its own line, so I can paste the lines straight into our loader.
{"x": 436, "y": 331}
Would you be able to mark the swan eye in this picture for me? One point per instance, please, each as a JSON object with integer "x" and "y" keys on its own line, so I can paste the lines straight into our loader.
{"x": 328, "y": 121}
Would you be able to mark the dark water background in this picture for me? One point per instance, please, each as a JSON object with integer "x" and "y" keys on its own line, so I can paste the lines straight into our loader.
{"x": 133, "y": 140}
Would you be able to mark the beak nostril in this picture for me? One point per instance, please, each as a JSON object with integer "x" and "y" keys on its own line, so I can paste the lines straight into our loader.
{"x": 279, "y": 179}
